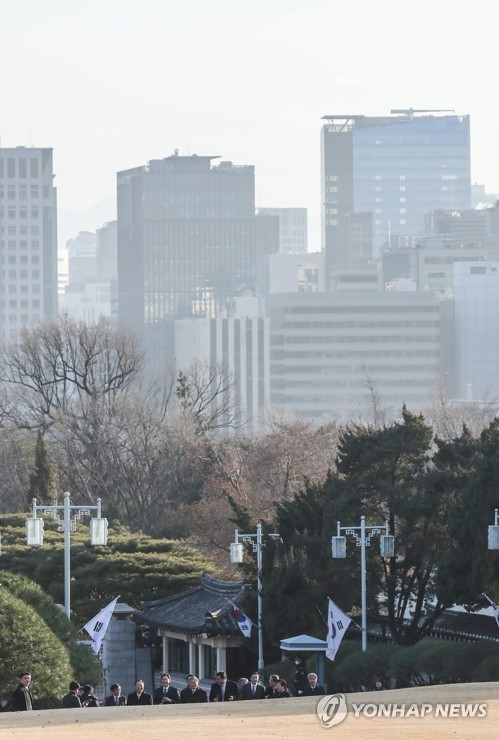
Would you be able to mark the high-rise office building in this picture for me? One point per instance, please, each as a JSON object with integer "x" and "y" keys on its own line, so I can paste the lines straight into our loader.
{"x": 380, "y": 176}
{"x": 330, "y": 351}
{"x": 28, "y": 239}
{"x": 186, "y": 244}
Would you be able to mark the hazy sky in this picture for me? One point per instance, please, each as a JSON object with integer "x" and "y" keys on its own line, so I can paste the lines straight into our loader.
{"x": 112, "y": 84}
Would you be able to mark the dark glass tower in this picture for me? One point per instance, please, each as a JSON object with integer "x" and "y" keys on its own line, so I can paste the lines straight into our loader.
{"x": 380, "y": 176}
{"x": 186, "y": 243}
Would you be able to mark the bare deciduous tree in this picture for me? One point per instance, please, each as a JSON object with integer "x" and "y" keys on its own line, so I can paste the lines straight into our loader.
{"x": 51, "y": 367}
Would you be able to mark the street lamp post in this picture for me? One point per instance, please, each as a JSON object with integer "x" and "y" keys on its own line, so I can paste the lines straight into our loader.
{"x": 339, "y": 550}
{"x": 67, "y": 524}
{"x": 237, "y": 556}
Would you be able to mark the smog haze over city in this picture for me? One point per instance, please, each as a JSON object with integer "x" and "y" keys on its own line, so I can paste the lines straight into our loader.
{"x": 111, "y": 85}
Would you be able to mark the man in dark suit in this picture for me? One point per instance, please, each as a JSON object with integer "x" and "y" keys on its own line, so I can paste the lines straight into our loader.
{"x": 166, "y": 693}
{"x": 271, "y": 690}
{"x": 312, "y": 688}
{"x": 139, "y": 696}
{"x": 222, "y": 689}
{"x": 71, "y": 700}
{"x": 253, "y": 689}
{"x": 192, "y": 694}
{"x": 115, "y": 700}
{"x": 22, "y": 701}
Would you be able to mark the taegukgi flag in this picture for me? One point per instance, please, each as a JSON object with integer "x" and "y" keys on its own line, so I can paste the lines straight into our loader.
{"x": 243, "y": 622}
{"x": 337, "y": 623}
{"x": 97, "y": 626}
{"x": 495, "y": 608}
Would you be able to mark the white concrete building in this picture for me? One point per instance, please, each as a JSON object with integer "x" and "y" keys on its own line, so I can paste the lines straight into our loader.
{"x": 327, "y": 349}
{"x": 240, "y": 345}
{"x": 28, "y": 239}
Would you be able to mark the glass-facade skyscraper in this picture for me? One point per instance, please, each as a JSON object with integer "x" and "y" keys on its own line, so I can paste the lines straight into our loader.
{"x": 380, "y": 176}
{"x": 186, "y": 243}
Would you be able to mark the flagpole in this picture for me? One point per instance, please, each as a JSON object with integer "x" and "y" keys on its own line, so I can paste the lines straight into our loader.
{"x": 363, "y": 581}
{"x": 259, "y": 586}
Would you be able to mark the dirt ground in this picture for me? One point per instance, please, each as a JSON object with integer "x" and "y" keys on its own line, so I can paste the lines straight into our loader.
{"x": 293, "y": 718}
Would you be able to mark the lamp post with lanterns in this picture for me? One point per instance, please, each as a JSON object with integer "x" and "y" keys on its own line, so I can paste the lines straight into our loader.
{"x": 363, "y": 535}
{"x": 237, "y": 556}
{"x": 67, "y": 524}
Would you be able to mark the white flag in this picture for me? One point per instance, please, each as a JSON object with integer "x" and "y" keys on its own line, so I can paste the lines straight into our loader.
{"x": 97, "y": 626}
{"x": 495, "y": 608}
{"x": 243, "y": 622}
{"x": 337, "y": 623}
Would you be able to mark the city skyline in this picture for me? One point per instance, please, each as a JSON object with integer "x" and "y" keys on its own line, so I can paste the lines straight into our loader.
{"x": 109, "y": 88}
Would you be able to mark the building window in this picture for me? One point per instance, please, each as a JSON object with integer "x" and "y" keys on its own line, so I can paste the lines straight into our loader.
{"x": 22, "y": 167}
{"x": 34, "y": 167}
{"x": 34, "y": 211}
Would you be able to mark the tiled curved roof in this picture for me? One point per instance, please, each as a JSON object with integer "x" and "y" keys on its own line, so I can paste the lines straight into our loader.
{"x": 201, "y": 609}
{"x": 451, "y": 624}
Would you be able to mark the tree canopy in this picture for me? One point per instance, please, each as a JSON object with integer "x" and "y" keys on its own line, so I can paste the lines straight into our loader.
{"x": 134, "y": 566}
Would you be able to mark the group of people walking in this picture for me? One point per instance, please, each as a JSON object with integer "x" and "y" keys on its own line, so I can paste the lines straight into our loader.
{"x": 223, "y": 689}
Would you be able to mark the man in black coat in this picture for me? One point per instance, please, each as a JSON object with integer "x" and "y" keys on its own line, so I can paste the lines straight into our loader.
{"x": 139, "y": 696}
{"x": 253, "y": 689}
{"x": 312, "y": 688}
{"x": 271, "y": 690}
{"x": 192, "y": 694}
{"x": 71, "y": 700}
{"x": 166, "y": 693}
{"x": 115, "y": 700}
{"x": 22, "y": 700}
{"x": 222, "y": 689}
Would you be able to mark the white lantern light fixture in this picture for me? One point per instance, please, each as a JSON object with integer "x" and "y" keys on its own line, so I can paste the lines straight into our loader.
{"x": 339, "y": 547}
{"x": 236, "y": 553}
{"x": 98, "y": 531}
{"x": 34, "y": 531}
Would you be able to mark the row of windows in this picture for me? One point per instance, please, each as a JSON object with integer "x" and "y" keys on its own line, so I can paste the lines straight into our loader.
{"x": 23, "y": 229}
{"x": 23, "y": 244}
{"x": 23, "y": 303}
{"x": 396, "y": 308}
{"x": 21, "y": 320}
{"x": 366, "y": 324}
{"x": 23, "y": 274}
{"x": 34, "y": 289}
{"x": 21, "y": 212}
{"x": 372, "y": 353}
{"x": 388, "y": 338}
{"x": 22, "y": 192}
{"x": 22, "y": 259}
{"x": 8, "y": 167}
{"x": 355, "y": 382}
